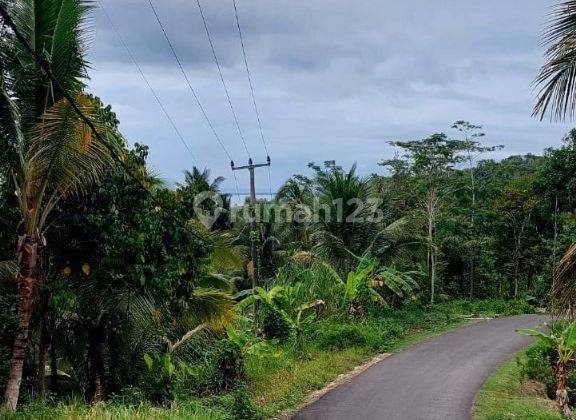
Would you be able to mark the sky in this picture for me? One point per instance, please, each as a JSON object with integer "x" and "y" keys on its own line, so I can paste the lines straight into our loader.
{"x": 333, "y": 79}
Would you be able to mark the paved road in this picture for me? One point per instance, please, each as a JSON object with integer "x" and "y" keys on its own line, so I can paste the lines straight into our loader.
{"x": 436, "y": 379}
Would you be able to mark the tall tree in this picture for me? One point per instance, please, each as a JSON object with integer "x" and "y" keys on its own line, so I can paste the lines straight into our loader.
{"x": 472, "y": 149}
{"x": 56, "y": 154}
{"x": 432, "y": 158}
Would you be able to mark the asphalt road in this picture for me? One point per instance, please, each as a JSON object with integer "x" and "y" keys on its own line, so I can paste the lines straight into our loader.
{"x": 436, "y": 379}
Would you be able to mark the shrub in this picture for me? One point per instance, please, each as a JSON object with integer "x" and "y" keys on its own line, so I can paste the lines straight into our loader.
{"x": 223, "y": 367}
{"x": 273, "y": 325}
{"x": 537, "y": 366}
{"x": 158, "y": 381}
{"x": 242, "y": 406}
{"x": 340, "y": 336}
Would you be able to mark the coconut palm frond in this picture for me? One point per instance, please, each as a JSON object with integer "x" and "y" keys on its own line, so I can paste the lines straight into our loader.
{"x": 64, "y": 153}
{"x": 557, "y": 76}
{"x": 564, "y": 287}
{"x": 211, "y": 306}
{"x": 8, "y": 270}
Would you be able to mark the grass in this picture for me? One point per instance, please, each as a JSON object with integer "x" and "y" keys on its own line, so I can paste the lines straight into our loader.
{"x": 77, "y": 410}
{"x": 504, "y": 396}
{"x": 284, "y": 386}
{"x": 277, "y": 384}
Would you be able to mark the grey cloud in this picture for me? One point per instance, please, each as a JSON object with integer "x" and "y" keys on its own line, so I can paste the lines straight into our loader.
{"x": 335, "y": 79}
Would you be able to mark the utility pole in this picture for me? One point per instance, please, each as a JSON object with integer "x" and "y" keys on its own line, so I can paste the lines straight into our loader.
{"x": 254, "y": 250}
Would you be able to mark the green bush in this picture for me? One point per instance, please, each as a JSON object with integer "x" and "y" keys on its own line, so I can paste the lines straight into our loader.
{"x": 242, "y": 406}
{"x": 158, "y": 381}
{"x": 273, "y": 325}
{"x": 219, "y": 371}
{"x": 537, "y": 366}
{"x": 378, "y": 334}
{"x": 340, "y": 336}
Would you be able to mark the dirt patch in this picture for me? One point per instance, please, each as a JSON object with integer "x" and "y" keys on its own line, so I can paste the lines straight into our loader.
{"x": 340, "y": 380}
{"x": 534, "y": 389}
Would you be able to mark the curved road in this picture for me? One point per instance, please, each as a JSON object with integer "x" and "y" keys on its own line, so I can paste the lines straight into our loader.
{"x": 436, "y": 379}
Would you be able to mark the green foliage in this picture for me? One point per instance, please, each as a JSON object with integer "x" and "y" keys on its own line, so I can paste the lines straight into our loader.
{"x": 537, "y": 366}
{"x": 366, "y": 283}
{"x": 157, "y": 382}
{"x": 242, "y": 407}
{"x": 561, "y": 339}
{"x": 504, "y": 396}
{"x": 283, "y": 301}
{"x": 224, "y": 366}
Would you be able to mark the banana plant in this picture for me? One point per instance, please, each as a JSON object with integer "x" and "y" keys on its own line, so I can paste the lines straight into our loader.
{"x": 563, "y": 342}
{"x": 251, "y": 345}
{"x": 369, "y": 281}
{"x": 283, "y": 300}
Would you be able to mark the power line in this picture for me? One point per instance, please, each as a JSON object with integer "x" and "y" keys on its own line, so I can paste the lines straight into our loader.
{"x": 185, "y": 74}
{"x": 222, "y": 77}
{"x": 152, "y": 90}
{"x": 133, "y": 59}
{"x": 45, "y": 65}
{"x": 249, "y": 77}
{"x": 252, "y": 90}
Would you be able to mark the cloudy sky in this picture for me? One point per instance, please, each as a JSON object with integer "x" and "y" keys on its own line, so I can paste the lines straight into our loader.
{"x": 334, "y": 79}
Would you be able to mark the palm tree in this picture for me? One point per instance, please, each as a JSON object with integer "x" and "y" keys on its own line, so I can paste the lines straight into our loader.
{"x": 54, "y": 152}
{"x": 342, "y": 229}
{"x": 199, "y": 181}
{"x": 558, "y": 94}
{"x": 557, "y": 76}
{"x": 295, "y": 194}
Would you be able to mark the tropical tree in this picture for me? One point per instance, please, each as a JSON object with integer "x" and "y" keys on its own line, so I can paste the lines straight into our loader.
{"x": 561, "y": 340}
{"x": 199, "y": 181}
{"x": 295, "y": 196}
{"x": 343, "y": 226}
{"x": 433, "y": 159}
{"x": 283, "y": 300}
{"x": 61, "y": 157}
{"x": 54, "y": 152}
{"x": 472, "y": 149}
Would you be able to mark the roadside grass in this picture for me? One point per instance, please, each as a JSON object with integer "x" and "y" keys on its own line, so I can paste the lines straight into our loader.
{"x": 276, "y": 385}
{"x": 504, "y": 396}
{"x": 275, "y": 390}
{"x": 79, "y": 410}
{"x": 338, "y": 346}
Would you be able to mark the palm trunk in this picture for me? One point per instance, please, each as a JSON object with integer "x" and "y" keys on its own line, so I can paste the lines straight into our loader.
{"x": 96, "y": 367}
{"x": 28, "y": 284}
{"x": 562, "y": 388}
{"x": 53, "y": 365}
{"x": 43, "y": 350}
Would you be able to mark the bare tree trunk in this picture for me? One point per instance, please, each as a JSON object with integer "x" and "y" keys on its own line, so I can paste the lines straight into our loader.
{"x": 28, "y": 285}
{"x": 472, "y": 255}
{"x": 431, "y": 206}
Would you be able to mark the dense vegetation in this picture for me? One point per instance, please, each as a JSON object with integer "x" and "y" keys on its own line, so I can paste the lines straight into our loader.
{"x": 114, "y": 289}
